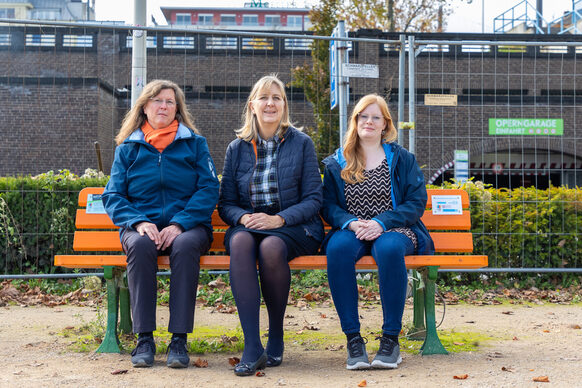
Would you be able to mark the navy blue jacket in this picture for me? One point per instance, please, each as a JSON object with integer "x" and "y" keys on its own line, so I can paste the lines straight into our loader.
{"x": 408, "y": 196}
{"x": 298, "y": 181}
{"x": 176, "y": 186}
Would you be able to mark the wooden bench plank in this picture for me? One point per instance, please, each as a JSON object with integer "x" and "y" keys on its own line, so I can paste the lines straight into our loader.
{"x": 103, "y": 241}
{"x": 303, "y": 262}
{"x": 447, "y": 221}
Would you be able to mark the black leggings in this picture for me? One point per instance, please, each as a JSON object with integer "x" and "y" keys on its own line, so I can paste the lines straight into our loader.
{"x": 275, "y": 278}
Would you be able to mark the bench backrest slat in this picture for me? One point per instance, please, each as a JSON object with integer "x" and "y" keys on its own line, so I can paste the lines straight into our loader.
{"x": 444, "y": 228}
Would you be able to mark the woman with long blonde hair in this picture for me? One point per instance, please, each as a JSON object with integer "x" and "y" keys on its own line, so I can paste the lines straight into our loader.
{"x": 373, "y": 197}
{"x": 270, "y": 196}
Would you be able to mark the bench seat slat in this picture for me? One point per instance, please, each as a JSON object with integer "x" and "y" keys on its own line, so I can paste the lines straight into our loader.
{"x": 303, "y": 262}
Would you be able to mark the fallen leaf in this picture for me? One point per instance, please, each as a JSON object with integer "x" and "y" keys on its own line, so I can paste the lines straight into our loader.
{"x": 362, "y": 383}
{"x": 260, "y": 373}
{"x": 575, "y": 327}
{"x": 515, "y": 339}
{"x": 119, "y": 372}
{"x": 459, "y": 343}
{"x": 461, "y": 377}
{"x": 299, "y": 332}
{"x": 506, "y": 369}
{"x": 200, "y": 363}
{"x": 325, "y": 316}
{"x": 507, "y": 312}
{"x": 546, "y": 331}
{"x": 334, "y": 348}
{"x": 311, "y": 327}
{"x": 69, "y": 327}
{"x": 541, "y": 379}
{"x": 233, "y": 360}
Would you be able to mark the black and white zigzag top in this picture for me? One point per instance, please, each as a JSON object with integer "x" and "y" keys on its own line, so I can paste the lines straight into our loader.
{"x": 371, "y": 197}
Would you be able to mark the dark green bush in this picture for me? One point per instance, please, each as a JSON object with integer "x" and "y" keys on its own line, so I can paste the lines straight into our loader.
{"x": 37, "y": 218}
{"x": 526, "y": 227}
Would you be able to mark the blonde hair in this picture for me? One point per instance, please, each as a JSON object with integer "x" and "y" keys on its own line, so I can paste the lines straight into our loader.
{"x": 250, "y": 128}
{"x": 355, "y": 161}
{"x": 136, "y": 117}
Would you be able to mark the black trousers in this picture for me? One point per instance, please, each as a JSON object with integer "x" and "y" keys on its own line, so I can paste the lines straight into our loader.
{"x": 142, "y": 265}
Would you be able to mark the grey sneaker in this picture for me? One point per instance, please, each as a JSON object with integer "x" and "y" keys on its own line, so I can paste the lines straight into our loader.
{"x": 357, "y": 355}
{"x": 143, "y": 354}
{"x": 177, "y": 353}
{"x": 388, "y": 356}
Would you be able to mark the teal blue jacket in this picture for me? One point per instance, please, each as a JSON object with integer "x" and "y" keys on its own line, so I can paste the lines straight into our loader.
{"x": 408, "y": 196}
{"x": 176, "y": 186}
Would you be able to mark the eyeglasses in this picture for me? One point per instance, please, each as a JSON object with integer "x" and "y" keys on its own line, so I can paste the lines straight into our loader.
{"x": 159, "y": 102}
{"x": 365, "y": 118}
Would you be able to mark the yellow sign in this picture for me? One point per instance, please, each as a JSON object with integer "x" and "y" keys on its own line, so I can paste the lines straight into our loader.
{"x": 440, "y": 99}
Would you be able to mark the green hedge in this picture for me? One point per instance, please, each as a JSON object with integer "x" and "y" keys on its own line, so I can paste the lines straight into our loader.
{"x": 37, "y": 218}
{"x": 524, "y": 227}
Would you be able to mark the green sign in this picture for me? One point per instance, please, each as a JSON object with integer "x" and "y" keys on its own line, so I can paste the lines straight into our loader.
{"x": 530, "y": 127}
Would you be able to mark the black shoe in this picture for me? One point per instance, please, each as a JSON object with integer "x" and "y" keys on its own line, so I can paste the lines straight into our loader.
{"x": 177, "y": 353}
{"x": 249, "y": 368}
{"x": 274, "y": 361}
{"x": 143, "y": 354}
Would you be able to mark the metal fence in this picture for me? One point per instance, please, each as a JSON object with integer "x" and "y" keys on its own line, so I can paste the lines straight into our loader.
{"x": 511, "y": 101}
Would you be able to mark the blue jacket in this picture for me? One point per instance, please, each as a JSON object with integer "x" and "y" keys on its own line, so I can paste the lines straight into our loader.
{"x": 298, "y": 181}
{"x": 408, "y": 196}
{"x": 176, "y": 186}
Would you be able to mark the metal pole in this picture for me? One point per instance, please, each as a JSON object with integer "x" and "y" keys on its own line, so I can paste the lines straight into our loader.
{"x": 138, "y": 53}
{"x": 343, "y": 82}
{"x": 411, "y": 93}
{"x": 401, "y": 86}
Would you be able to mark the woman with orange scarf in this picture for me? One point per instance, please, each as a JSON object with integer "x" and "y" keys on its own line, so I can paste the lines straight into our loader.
{"x": 162, "y": 192}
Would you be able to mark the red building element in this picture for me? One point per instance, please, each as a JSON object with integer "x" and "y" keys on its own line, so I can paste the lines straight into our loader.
{"x": 250, "y": 17}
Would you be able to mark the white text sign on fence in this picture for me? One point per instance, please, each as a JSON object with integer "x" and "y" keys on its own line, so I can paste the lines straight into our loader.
{"x": 358, "y": 70}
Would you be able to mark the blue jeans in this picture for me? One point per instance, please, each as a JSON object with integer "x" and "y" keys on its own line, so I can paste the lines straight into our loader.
{"x": 343, "y": 251}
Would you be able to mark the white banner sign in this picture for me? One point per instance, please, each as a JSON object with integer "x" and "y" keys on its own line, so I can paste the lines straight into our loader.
{"x": 358, "y": 70}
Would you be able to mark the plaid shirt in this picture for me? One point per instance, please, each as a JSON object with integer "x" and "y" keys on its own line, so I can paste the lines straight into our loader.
{"x": 264, "y": 189}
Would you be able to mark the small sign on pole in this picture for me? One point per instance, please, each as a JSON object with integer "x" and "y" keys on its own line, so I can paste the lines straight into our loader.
{"x": 461, "y": 165}
{"x": 334, "y": 93}
{"x": 358, "y": 70}
{"x": 440, "y": 99}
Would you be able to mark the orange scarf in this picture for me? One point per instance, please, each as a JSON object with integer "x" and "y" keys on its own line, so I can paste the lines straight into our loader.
{"x": 160, "y": 138}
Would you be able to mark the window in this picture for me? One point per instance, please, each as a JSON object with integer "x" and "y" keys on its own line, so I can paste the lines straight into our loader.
{"x": 272, "y": 20}
{"x": 205, "y": 19}
{"x": 5, "y": 40}
{"x": 295, "y": 21}
{"x": 183, "y": 19}
{"x": 46, "y": 14}
{"x": 227, "y": 20}
{"x": 151, "y": 42}
{"x": 40, "y": 40}
{"x": 7, "y": 13}
{"x": 221, "y": 42}
{"x": 77, "y": 40}
{"x": 250, "y": 20}
{"x": 179, "y": 42}
{"x": 297, "y": 44}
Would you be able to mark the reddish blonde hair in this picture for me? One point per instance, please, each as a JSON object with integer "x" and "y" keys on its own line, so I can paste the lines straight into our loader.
{"x": 355, "y": 161}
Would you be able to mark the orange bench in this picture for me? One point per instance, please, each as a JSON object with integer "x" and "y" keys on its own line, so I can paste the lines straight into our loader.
{"x": 99, "y": 238}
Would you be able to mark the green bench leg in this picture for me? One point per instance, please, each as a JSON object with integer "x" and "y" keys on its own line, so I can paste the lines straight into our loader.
{"x": 432, "y": 343}
{"x": 124, "y": 309}
{"x": 110, "y": 342}
{"x": 418, "y": 331}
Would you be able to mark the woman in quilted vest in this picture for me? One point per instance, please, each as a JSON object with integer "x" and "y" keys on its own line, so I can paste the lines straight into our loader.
{"x": 374, "y": 196}
{"x": 270, "y": 195}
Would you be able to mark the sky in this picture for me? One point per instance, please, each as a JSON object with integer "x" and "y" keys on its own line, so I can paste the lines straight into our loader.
{"x": 466, "y": 17}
